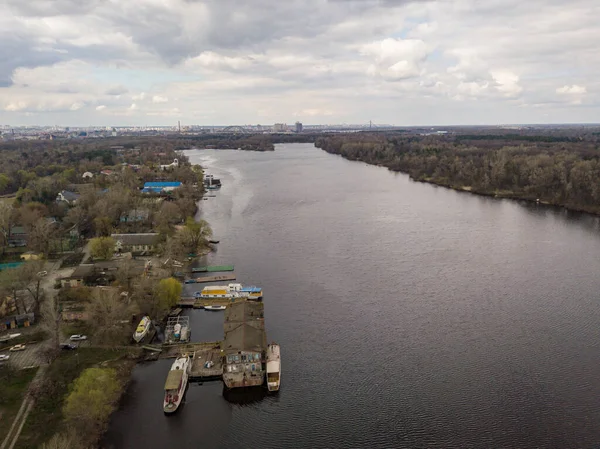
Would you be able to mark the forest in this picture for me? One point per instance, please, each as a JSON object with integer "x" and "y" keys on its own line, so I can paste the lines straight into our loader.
{"x": 557, "y": 170}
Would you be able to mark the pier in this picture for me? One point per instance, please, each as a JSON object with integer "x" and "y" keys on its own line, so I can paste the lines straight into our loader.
{"x": 207, "y": 364}
{"x": 202, "y": 280}
{"x": 212, "y": 269}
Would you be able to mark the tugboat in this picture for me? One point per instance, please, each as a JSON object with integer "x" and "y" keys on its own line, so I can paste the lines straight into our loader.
{"x": 142, "y": 329}
{"x": 175, "y": 384}
{"x": 273, "y": 367}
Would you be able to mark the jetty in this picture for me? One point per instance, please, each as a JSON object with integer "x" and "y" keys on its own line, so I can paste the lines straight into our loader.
{"x": 212, "y": 269}
{"x": 207, "y": 364}
{"x": 202, "y": 280}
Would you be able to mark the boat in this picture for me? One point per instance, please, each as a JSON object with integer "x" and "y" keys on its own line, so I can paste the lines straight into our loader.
{"x": 214, "y": 242}
{"x": 229, "y": 292}
{"x": 273, "y": 367}
{"x": 142, "y": 329}
{"x": 175, "y": 384}
{"x": 215, "y": 307}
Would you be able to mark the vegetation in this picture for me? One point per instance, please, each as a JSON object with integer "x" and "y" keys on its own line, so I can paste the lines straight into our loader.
{"x": 13, "y": 386}
{"x": 169, "y": 291}
{"x": 102, "y": 247}
{"x": 194, "y": 236}
{"x": 108, "y": 314}
{"x": 46, "y": 418}
{"x": 91, "y": 401}
{"x": 556, "y": 170}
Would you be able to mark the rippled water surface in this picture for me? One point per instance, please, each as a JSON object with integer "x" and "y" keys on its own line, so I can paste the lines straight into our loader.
{"x": 409, "y": 315}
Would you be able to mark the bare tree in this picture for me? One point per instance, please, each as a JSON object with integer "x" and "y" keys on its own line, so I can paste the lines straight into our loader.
{"x": 51, "y": 318}
{"x": 108, "y": 311}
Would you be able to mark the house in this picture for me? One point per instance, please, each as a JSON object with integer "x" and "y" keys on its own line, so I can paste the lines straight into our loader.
{"x": 17, "y": 237}
{"x": 244, "y": 345}
{"x": 68, "y": 197}
{"x": 106, "y": 172}
{"x": 173, "y": 164}
{"x": 77, "y": 278}
{"x": 161, "y": 187}
{"x": 135, "y": 216}
{"x": 15, "y": 321}
{"x": 136, "y": 243}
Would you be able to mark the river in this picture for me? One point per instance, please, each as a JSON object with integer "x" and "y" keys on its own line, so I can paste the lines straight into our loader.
{"x": 409, "y": 315}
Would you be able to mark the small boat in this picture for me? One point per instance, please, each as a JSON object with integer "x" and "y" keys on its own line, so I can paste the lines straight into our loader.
{"x": 214, "y": 242}
{"x": 215, "y": 307}
{"x": 142, "y": 329}
{"x": 273, "y": 367}
{"x": 175, "y": 384}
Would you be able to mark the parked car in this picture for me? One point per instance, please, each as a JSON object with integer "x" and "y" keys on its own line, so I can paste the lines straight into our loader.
{"x": 41, "y": 274}
{"x": 68, "y": 346}
{"x": 4, "y": 357}
{"x": 78, "y": 337}
{"x": 17, "y": 348}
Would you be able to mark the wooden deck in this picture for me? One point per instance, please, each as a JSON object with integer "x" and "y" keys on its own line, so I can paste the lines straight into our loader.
{"x": 172, "y": 351}
{"x": 223, "y": 277}
{"x": 199, "y": 371}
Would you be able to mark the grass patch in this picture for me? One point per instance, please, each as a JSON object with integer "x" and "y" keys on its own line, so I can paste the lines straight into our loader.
{"x": 76, "y": 327}
{"x": 46, "y": 417}
{"x": 13, "y": 385}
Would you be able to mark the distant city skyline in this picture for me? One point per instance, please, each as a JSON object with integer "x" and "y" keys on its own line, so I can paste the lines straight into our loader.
{"x": 407, "y": 63}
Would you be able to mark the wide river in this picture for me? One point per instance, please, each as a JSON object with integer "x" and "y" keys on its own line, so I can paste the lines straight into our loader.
{"x": 408, "y": 315}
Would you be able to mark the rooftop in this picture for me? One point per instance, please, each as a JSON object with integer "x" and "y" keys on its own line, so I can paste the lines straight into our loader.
{"x": 148, "y": 238}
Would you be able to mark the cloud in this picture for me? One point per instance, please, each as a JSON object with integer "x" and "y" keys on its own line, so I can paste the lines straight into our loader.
{"x": 569, "y": 90}
{"x": 159, "y": 99}
{"x": 221, "y": 61}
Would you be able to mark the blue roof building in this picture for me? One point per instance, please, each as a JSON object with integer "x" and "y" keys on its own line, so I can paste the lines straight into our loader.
{"x": 161, "y": 187}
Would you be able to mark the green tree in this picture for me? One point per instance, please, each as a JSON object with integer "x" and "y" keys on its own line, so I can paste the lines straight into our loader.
{"x": 4, "y": 182}
{"x": 169, "y": 293}
{"x": 195, "y": 235}
{"x": 91, "y": 401}
{"x": 102, "y": 247}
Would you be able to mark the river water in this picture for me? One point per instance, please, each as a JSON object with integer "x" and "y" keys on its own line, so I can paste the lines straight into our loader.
{"x": 409, "y": 315}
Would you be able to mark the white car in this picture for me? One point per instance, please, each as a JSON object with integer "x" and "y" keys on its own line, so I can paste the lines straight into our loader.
{"x": 41, "y": 274}
{"x": 4, "y": 357}
{"x": 78, "y": 337}
{"x": 17, "y": 348}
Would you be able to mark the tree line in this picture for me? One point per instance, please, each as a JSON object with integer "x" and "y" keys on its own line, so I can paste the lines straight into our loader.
{"x": 563, "y": 172}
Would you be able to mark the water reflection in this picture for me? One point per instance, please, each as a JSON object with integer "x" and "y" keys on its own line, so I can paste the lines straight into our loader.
{"x": 244, "y": 396}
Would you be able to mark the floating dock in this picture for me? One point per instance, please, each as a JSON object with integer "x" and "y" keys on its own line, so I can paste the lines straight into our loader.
{"x": 213, "y": 269}
{"x": 223, "y": 277}
{"x": 207, "y": 365}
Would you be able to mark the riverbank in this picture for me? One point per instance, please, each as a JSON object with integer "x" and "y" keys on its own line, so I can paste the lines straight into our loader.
{"x": 553, "y": 174}
{"x": 47, "y": 417}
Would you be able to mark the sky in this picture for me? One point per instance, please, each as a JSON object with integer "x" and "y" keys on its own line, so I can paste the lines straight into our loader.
{"x": 212, "y": 62}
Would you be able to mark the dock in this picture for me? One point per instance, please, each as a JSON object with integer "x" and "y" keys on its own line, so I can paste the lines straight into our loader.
{"x": 174, "y": 351}
{"x": 213, "y": 269}
{"x": 207, "y": 364}
{"x": 224, "y": 277}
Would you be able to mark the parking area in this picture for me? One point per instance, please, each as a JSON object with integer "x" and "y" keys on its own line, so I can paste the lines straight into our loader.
{"x": 32, "y": 356}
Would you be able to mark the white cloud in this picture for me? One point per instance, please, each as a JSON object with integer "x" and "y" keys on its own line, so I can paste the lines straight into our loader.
{"x": 326, "y": 61}
{"x": 569, "y": 90}
{"x": 159, "y": 99}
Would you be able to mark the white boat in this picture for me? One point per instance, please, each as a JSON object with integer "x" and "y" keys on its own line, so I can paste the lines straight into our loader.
{"x": 215, "y": 307}
{"x": 142, "y": 329}
{"x": 273, "y": 367}
{"x": 175, "y": 384}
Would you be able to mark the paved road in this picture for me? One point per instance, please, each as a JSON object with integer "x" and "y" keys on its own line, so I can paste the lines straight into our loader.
{"x": 32, "y": 356}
